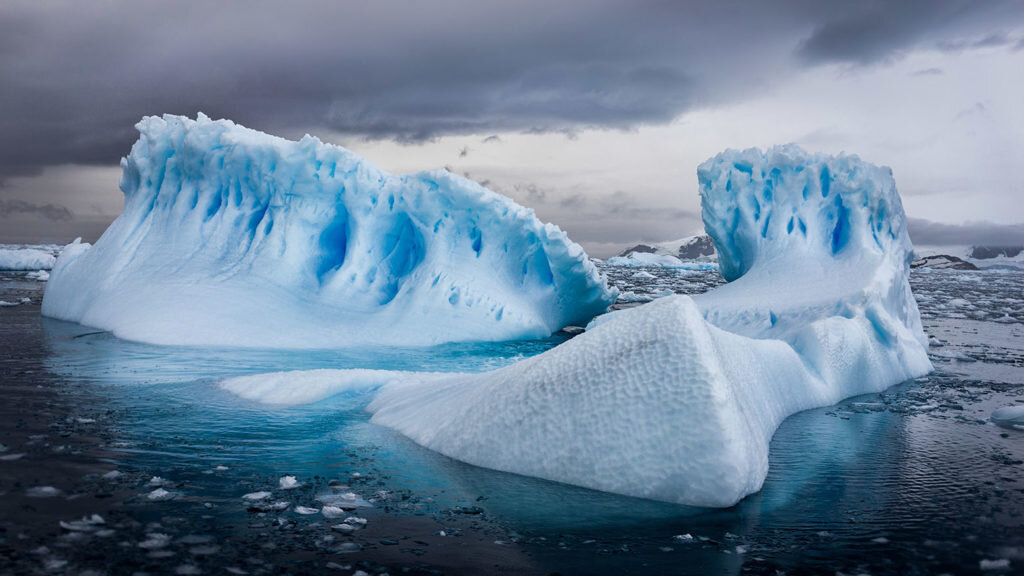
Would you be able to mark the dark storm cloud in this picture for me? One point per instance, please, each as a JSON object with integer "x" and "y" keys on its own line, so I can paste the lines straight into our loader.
{"x": 51, "y": 212}
{"x": 76, "y": 76}
{"x": 928, "y": 233}
{"x": 872, "y": 31}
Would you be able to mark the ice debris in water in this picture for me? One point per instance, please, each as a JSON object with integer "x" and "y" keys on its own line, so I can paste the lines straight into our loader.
{"x": 160, "y": 495}
{"x": 305, "y": 510}
{"x": 86, "y": 524}
{"x": 254, "y": 496}
{"x": 1009, "y": 417}
{"x": 42, "y": 492}
{"x": 288, "y": 483}
{"x": 155, "y": 541}
{"x": 234, "y": 237}
{"x": 1000, "y": 564}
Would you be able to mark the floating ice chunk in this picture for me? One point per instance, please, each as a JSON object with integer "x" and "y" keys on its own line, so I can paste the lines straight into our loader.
{"x": 40, "y": 275}
{"x": 5, "y": 303}
{"x": 683, "y": 538}
{"x": 818, "y": 308}
{"x": 1000, "y": 564}
{"x": 1010, "y": 417}
{"x": 158, "y": 481}
{"x": 12, "y": 457}
{"x": 112, "y": 475}
{"x": 86, "y": 524}
{"x": 42, "y": 492}
{"x": 333, "y": 512}
{"x": 155, "y": 541}
{"x": 160, "y": 495}
{"x": 234, "y": 237}
{"x": 305, "y": 510}
{"x": 288, "y": 483}
{"x": 255, "y": 496}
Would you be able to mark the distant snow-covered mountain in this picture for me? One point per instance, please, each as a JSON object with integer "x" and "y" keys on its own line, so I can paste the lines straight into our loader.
{"x": 698, "y": 247}
{"x": 979, "y": 256}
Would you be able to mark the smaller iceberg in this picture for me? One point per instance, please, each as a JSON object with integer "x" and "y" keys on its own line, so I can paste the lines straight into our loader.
{"x": 27, "y": 258}
{"x": 233, "y": 237}
{"x": 678, "y": 399}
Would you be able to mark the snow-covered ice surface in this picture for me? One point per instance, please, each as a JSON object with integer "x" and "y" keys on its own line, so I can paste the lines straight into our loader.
{"x": 677, "y": 400}
{"x": 233, "y": 237}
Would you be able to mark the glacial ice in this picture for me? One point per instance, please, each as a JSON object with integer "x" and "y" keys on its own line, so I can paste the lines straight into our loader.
{"x": 677, "y": 399}
{"x": 233, "y": 237}
{"x": 25, "y": 258}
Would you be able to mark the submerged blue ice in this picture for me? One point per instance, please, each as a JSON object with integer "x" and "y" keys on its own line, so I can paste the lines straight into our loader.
{"x": 233, "y": 237}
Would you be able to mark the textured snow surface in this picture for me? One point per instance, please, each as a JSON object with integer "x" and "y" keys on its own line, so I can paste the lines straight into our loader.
{"x": 233, "y": 237}
{"x": 24, "y": 258}
{"x": 678, "y": 399}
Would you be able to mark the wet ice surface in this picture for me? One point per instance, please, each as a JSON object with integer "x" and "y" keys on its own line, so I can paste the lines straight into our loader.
{"x": 913, "y": 480}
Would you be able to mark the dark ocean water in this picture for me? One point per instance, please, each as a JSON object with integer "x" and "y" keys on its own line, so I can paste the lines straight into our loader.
{"x": 915, "y": 480}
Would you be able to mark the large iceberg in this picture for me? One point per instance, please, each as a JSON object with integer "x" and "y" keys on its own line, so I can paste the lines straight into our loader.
{"x": 677, "y": 400}
{"x": 233, "y": 237}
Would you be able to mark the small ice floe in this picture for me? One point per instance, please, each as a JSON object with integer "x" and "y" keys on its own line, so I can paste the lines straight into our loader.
{"x": 12, "y": 457}
{"x": 221, "y": 468}
{"x": 40, "y": 275}
{"x": 880, "y": 540}
{"x": 1009, "y": 417}
{"x": 344, "y": 528}
{"x": 53, "y": 564}
{"x": 305, "y": 510}
{"x": 1000, "y": 564}
{"x": 256, "y": 496}
{"x": 683, "y": 538}
{"x": 344, "y": 500}
{"x": 155, "y": 541}
{"x": 158, "y": 481}
{"x": 85, "y": 420}
{"x": 357, "y": 521}
{"x": 86, "y": 524}
{"x": 112, "y": 475}
{"x": 6, "y": 303}
{"x": 644, "y": 275}
{"x": 347, "y": 547}
{"x": 160, "y": 495}
{"x": 289, "y": 482}
{"x": 42, "y": 492}
{"x": 666, "y": 548}
{"x": 333, "y": 512}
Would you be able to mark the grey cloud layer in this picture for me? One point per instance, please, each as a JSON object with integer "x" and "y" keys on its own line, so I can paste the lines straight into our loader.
{"x": 928, "y": 233}
{"x": 76, "y": 76}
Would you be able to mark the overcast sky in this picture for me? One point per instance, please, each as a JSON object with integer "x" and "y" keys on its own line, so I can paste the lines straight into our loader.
{"x": 594, "y": 113}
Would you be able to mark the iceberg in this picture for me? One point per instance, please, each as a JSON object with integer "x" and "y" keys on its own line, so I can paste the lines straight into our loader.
{"x": 26, "y": 258}
{"x": 677, "y": 400}
{"x": 234, "y": 237}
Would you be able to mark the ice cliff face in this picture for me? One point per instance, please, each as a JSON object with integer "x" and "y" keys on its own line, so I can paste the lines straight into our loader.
{"x": 677, "y": 400}
{"x": 233, "y": 237}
